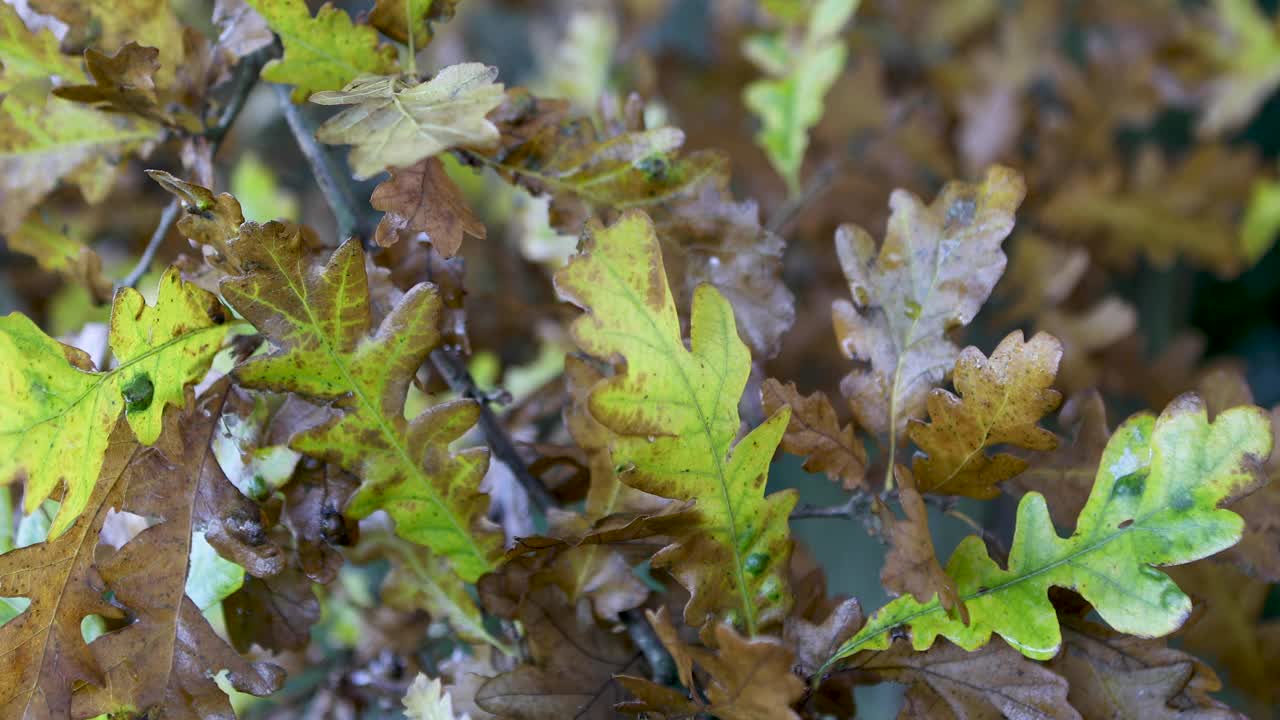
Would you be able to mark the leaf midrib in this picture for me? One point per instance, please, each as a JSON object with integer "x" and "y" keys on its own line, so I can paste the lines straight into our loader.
{"x": 389, "y": 435}
{"x": 748, "y": 609}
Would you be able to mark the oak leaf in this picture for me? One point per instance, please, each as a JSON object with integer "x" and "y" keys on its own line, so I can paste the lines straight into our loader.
{"x": 422, "y": 199}
{"x": 1153, "y": 504}
{"x": 911, "y": 564}
{"x": 31, "y": 58}
{"x": 55, "y": 424}
{"x": 125, "y": 83}
{"x": 707, "y": 237}
{"x": 43, "y": 646}
{"x": 815, "y": 434}
{"x": 789, "y": 101}
{"x": 1001, "y": 401}
{"x": 319, "y": 318}
{"x": 111, "y": 24}
{"x": 746, "y": 679}
{"x": 314, "y": 500}
{"x": 934, "y": 270}
{"x": 167, "y": 654}
{"x": 675, "y": 413}
{"x": 949, "y": 683}
{"x": 274, "y": 612}
{"x": 574, "y": 662}
{"x": 324, "y": 52}
{"x": 210, "y": 220}
{"x": 402, "y": 19}
{"x": 394, "y": 123}
{"x": 1110, "y": 674}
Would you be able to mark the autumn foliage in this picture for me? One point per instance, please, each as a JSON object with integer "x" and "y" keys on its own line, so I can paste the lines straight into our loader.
{"x": 441, "y": 360}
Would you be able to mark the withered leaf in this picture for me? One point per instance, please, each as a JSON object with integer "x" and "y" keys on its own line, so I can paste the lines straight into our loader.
{"x": 168, "y": 654}
{"x": 1001, "y": 401}
{"x": 572, "y": 669}
{"x": 746, "y": 679}
{"x": 949, "y": 683}
{"x": 814, "y": 643}
{"x": 815, "y": 433}
{"x": 122, "y": 83}
{"x": 43, "y": 648}
{"x": 314, "y": 500}
{"x": 211, "y": 220}
{"x": 934, "y": 270}
{"x": 911, "y": 565}
{"x": 1112, "y": 675}
{"x": 422, "y": 199}
{"x": 274, "y": 613}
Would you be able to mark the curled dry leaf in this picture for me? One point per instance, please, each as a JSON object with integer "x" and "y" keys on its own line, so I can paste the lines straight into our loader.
{"x": 815, "y": 433}
{"x": 934, "y": 270}
{"x": 1001, "y": 401}
{"x": 911, "y": 565}
{"x": 422, "y": 199}
{"x": 207, "y": 219}
{"x": 393, "y": 123}
{"x": 746, "y": 679}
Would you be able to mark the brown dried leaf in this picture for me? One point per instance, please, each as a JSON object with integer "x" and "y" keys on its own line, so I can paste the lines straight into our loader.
{"x": 814, "y": 643}
{"x": 124, "y": 83}
{"x": 167, "y": 656}
{"x": 313, "y": 504}
{"x": 934, "y": 270}
{"x": 422, "y": 199}
{"x": 1002, "y": 400}
{"x": 42, "y": 648}
{"x": 275, "y": 613}
{"x": 1065, "y": 476}
{"x": 815, "y": 433}
{"x": 911, "y": 565}
{"x": 948, "y": 683}
{"x": 1112, "y": 675}
{"x": 746, "y": 679}
{"x": 573, "y": 665}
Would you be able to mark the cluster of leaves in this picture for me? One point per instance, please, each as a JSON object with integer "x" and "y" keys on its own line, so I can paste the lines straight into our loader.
{"x": 273, "y": 482}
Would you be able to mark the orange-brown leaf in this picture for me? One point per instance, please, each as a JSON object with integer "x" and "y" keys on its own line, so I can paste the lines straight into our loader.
{"x": 1001, "y": 401}
{"x": 816, "y": 434}
{"x": 422, "y": 199}
{"x": 911, "y": 565}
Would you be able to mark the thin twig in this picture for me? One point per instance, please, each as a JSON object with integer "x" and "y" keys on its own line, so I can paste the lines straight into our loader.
{"x": 460, "y": 380}
{"x": 167, "y": 219}
{"x": 857, "y": 505}
{"x": 662, "y": 668}
{"x": 336, "y": 194}
{"x": 245, "y": 79}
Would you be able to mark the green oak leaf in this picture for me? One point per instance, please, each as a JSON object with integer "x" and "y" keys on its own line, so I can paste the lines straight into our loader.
{"x": 1154, "y": 503}
{"x": 31, "y": 57}
{"x": 324, "y": 52}
{"x": 675, "y": 412}
{"x": 59, "y": 412}
{"x": 319, "y": 319}
{"x": 789, "y": 102}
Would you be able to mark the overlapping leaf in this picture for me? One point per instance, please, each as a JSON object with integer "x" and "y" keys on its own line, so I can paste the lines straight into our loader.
{"x": 1153, "y": 503}
{"x": 59, "y": 412}
{"x": 168, "y": 655}
{"x": 675, "y": 412}
{"x": 816, "y": 434}
{"x": 324, "y": 52}
{"x": 934, "y": 270}
{"x": 1001, "y": 401}
{"x": 394, "y": 123}
{"x": 319, "y": 318}
{"x": 422, "y": 199}
{"x": 748, "y": 679}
